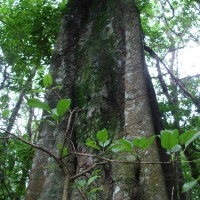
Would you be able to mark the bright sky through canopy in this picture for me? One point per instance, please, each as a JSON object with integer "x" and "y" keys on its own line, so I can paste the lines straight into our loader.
{"x": 189, "y": 60}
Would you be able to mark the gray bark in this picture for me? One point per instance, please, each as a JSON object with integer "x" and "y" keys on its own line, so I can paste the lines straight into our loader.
{"x": 99, "y": 61}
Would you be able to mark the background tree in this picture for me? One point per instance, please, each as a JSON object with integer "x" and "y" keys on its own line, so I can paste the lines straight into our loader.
{"x": 28, "y": 32}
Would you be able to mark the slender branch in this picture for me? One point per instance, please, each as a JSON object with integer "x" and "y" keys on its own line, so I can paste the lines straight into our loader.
{"x": 9, "y": 193}
{"x": 29, "y": 123}
{"x": 172, "y": 50}
{"x": 15, "y": 111}
{"x": 194, "y": 99}
{"x": 194, "y": 38}
{"x": 5, "y": 77}
{"x": 186, "y": 92}
{"x": 19, "y": 102}
{"x": 166, "y": 20}
{"x": 87, "y": 170}
{"x": 66, "y": 188}
{"x": 122, "y": 161}
{"x": 67, "y": 130}
{"x": 170, "y": 5}
{"x": 59, "y": 162}
{"x": 160, "y": 77}
{"x": 5, "y": 138}
{"x": 190, "y": 77}
{"x": 132, "y": 162}
{"x": 73, "y": 147}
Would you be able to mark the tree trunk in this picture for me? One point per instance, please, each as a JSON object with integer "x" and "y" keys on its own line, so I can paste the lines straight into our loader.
{"x": 99, "y": 61}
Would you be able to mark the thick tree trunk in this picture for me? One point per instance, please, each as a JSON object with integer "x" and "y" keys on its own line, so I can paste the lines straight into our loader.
{"x": 99, "y": 61}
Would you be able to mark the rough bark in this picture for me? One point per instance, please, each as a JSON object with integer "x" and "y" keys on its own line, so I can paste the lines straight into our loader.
{"x": 99, "y": 61}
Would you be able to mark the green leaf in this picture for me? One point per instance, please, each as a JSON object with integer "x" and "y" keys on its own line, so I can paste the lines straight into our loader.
{"x": 93, "y": 190}
{"x": 5, "y": 113}
{"x": 145, "y": 143}
{"x": 47, "y": 81}
{"x": 136, "y": 142}
{"x": 62, "y": 106}
{"x": 176, "y": 148}
{"x": 127, "y": 145}
{"x": 194, "y": 137}
{"x": 122, "y": 145}
{"x": 93, "y": 178}
{"x": 185, "y": 137}
{"x": 55, "y": 117}
{"x": 116, "y": 148}
{"x": 107, "y": 142}
{"x": 65, "y": 151}
{"x": 36, "y": 103}
{"x": 189, "y": 185}
{"x": 54, "y": 114}
{"x": 92, "y": 144}
{"x": 102, "y": 136}
{"x": 169, "y": 139}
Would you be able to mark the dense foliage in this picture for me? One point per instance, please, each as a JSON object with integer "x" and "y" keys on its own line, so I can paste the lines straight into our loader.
{"x": 28, "y": 30}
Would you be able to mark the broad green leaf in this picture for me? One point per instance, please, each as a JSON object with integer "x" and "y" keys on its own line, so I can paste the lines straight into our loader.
{"x": 62, "y": 106}
{"x": 102, "y": 136}
{"x": 5, "y": 113}
{"x": 47, "y": 81}
{"x": 92, "y": 144}
{"x": 185, "y": 137}
{"x": 36, "y": 103}
{"x": 65, "y": 151}
{"x": 136, "y": 142}
{"x": 93, "y": 178}
{"x": 176, "y": 148}
{"x": 116, "y": 148}
{"x": 145, "y": 143}
{"x": 194, "y": 137}
{"x": 189, "y": 185}
{"x": 54, "y": 114}
{"x": 127, "y": 145}
{"x": 107, "y": 142}
{"x": 93, "y": 190}
{"x": 169, "y": 139}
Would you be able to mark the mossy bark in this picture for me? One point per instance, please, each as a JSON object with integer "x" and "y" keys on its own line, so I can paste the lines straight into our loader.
{"x": 99, "y": 61}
